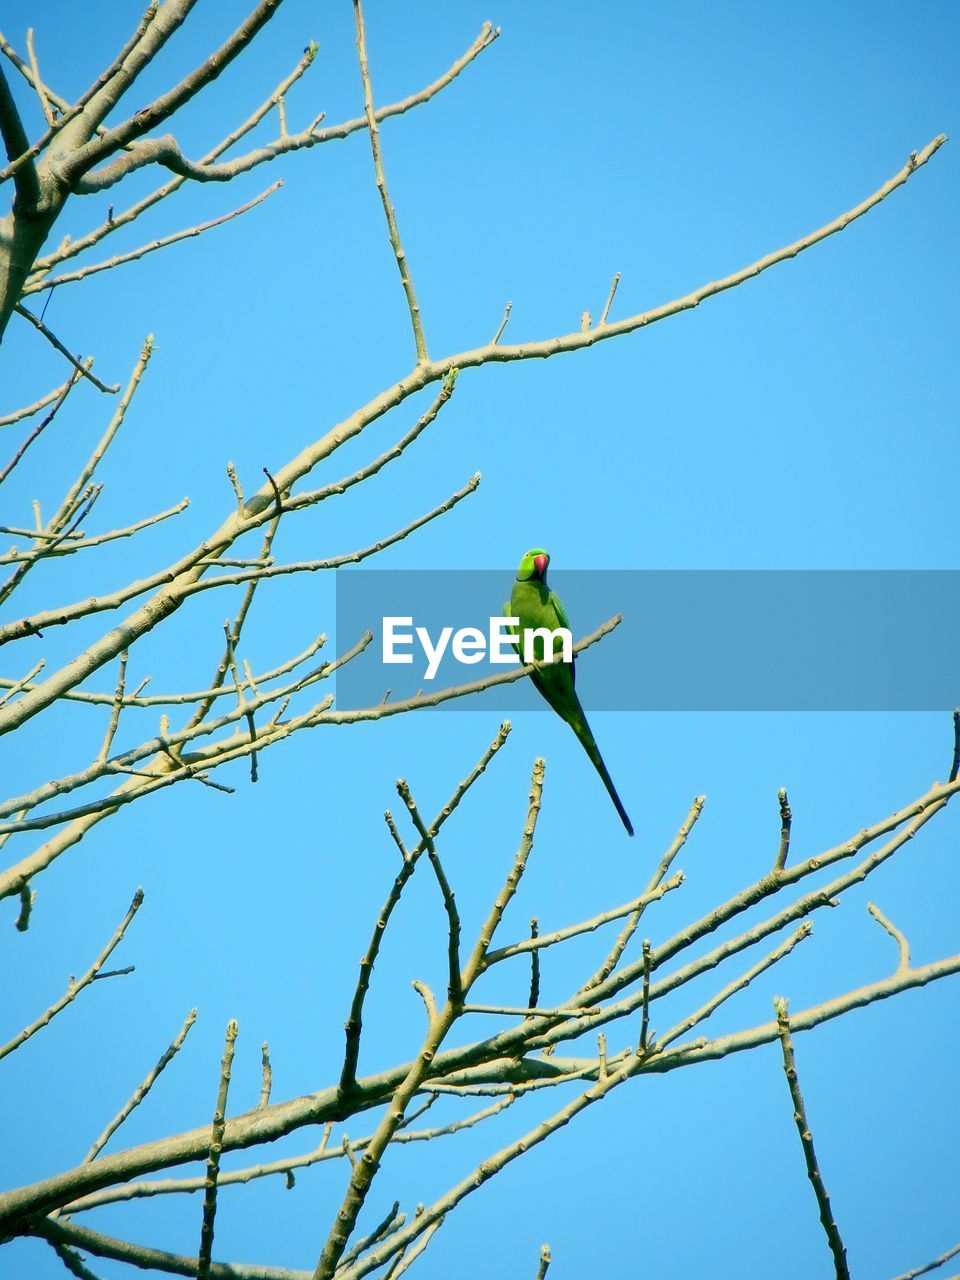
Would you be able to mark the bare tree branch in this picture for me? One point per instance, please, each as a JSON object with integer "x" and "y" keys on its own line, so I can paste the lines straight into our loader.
{"x": 169, "y": 699}
{"x": 786, "y": 821}
{"x": 11, "y": 54}
{"x": 504, "y": 1058}
{"x": 205, "y": 171}
{"x": 15, "y": 143}
{"x": 930, "y": 1266}
{"x": 366, "y": 1168}
{"x": 82, "y": 367}
{"x": 154, "y": 610}
{"x": 213, "y": 1159}
{"x": 81, "y": 495}
{"x": 70, "y": 277}
{"x": 69, "y": 114}
{"x": 80, "y": 153}
{"x": 163, "y": 107}
{"x": 806, "y": 1141}
{"x": 454, "y": 980}
{"x": 389, "y": 212}
{"x": 903, "y": 946}
{"x": 19, "y": 414}
{"x": 320, "y": 1155}
{"x": 141, "y": 1091}
{"x": 98, "y": 604}
{"x": 39, "y": 428}
{"x": 58, "y": 545}
{"x": 76, "y": 986}
{"x": 176, "y": 1264}
{"x": 354, "y": 1024}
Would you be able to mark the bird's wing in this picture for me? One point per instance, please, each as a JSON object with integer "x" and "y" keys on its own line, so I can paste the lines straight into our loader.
{"x": 511, "y": 631}
{"x": 560, "y": 611}
{"x": 562, "y": 619}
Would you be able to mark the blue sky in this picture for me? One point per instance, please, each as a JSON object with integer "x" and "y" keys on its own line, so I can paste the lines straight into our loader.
{"x": 805, "y": 420}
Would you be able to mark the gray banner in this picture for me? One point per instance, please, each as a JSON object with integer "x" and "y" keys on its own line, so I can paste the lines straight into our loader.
{"x": 690, "y": 640}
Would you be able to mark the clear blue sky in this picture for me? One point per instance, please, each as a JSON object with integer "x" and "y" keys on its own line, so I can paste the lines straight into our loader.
{"x": 806, "y": 420}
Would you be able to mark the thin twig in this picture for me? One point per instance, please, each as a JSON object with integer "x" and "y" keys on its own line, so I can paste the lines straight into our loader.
{"x": 602, "y": 1072}
{"x": 651, "y": 894}
{"x": 213, "y": 1159}
{"x": 40, "y": 427}
{"x": 534, "y": 998}
{"x": 645, "y": 1006}
{"x": 75, "y": 987}
{"x": 115, "y": 709}
{"x": 395, "y": 834}
{"x": 379, "y": 1231}
{"x": 737, "y": 985}
{"x": 143, "y": 1088}
{"x": 930, "y": 1266}
{"x": 37, "y": 82}
{"x": 786, "y": 820}
{"x": 524, "y": 1011}
{"x": 455, "y": 985}
{"x": 236, "y": 630}
{"x": 7, "y": 420}
{"x": 903, "y": 946}
{"x": 503, "y": 324}
{"x": 17, "y": 686}
{"x": 610, "y": 297}
{"x": 266, "y": 1076}
{"x": 354, "y": 1024}
{"x": 544, "y": 940}
{"x": 83, "y": 367}
{"x": 72, "y": 1261}
{"x": 67, "y": 544}
{"x": 410, "y": 1256}
{"x": 389, "y": 213}
{"x": 277, "y": 495}
{"x": 806, "y": 1141}
{"x": 242, "y": 701}
{"x": 134, "y": 255}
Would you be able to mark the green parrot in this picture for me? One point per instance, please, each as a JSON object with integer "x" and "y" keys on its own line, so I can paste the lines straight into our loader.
{"x": 536, "y": 605}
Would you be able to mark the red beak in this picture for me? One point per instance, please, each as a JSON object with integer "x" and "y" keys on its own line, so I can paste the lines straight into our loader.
{"x": 540, "y": 564}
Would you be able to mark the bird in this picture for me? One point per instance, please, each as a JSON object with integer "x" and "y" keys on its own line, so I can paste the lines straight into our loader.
{"x": 535, "y": 605}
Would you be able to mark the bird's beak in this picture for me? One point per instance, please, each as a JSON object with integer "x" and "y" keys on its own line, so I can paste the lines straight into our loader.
{"x": 540, "y": 564}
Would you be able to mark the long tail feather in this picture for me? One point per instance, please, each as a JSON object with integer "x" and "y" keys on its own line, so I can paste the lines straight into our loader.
{"x": 556, "y": 686}
{"x": 587, "y": 740}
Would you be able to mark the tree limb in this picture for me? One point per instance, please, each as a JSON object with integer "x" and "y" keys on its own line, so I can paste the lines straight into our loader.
{"x": 169, "y": 600}
{"x": 26, "y": 181}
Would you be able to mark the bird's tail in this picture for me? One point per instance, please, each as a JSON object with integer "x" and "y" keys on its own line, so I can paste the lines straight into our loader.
{"x": 587, "y": 740}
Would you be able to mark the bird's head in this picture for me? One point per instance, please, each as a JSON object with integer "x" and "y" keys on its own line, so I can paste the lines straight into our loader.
{"x": 534, "y": 565}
